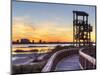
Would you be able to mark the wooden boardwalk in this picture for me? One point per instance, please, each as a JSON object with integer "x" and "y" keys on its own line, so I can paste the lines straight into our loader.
{"x": 68, "y": 64}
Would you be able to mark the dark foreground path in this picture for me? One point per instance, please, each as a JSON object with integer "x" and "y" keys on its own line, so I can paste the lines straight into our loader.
{"x": 68, "y": 63}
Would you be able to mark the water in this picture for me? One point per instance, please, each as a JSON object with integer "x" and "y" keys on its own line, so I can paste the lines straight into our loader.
{"x": 39, "y": 45}
{"x": 23, "y": 57}
{"x": 42, "y": 48}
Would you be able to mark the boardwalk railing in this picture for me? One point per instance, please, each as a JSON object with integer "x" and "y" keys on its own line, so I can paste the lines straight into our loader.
{"x": 86, "y": 61}
{"x": 56, "y": 57}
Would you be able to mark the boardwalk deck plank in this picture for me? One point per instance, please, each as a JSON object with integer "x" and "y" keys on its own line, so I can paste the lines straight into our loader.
{"x": 68, "y": 63}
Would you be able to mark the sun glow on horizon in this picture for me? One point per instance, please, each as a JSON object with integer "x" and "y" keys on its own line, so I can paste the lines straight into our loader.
{"x": 46, "y": 31}
{"x": 47, "y": 22}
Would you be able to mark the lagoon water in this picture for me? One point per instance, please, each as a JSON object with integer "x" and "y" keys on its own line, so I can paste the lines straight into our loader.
{"x": 42, "y": 48}
{"x": 23, "y": 57}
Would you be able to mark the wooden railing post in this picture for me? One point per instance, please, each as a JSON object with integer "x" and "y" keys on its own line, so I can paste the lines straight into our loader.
{"x": 86, "y": 61}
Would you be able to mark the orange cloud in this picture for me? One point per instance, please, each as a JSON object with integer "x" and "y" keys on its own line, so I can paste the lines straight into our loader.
{"x": 46, "y": 31}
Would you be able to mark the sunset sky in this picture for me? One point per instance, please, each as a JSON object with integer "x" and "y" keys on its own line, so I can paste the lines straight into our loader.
{"x": 45, "y": 21}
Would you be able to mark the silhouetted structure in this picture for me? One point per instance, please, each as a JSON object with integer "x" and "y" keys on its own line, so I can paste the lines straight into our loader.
{"x": 81, "y": 29}
{"x": 16, "y": 42}
{"x": 25, "y": 41}
{"x": 40, "y": 41}
{"x": 32, "y": 41}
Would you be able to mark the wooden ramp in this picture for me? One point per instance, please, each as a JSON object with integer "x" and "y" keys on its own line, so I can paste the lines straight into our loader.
{"x": 68, "y": 63}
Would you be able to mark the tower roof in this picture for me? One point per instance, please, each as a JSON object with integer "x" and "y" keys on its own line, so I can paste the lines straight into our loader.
{"x": 80, "y": 13}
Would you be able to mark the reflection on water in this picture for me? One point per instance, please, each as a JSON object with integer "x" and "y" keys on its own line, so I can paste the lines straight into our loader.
{"x": 24, "y": 57}
{"x": 42, "y": 48}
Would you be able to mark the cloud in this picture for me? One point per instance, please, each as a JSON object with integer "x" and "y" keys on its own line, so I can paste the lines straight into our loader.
{"x": 24, "y": 27}
{"x": 46, "y": 30}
